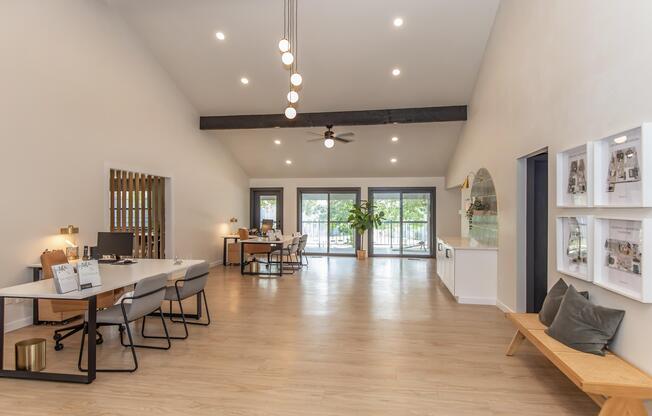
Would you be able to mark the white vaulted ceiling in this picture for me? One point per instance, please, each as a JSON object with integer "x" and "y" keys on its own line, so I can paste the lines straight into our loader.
{"x": 347, "y": 50}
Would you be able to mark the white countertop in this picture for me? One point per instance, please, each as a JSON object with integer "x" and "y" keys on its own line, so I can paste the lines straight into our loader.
{"x": 114, "y": 276}
{"x": 463, "y": 243}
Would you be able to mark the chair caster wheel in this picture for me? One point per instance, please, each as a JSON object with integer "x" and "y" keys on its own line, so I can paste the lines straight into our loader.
{"x": 58, "y": 347}
{"x": 56, "y": 337}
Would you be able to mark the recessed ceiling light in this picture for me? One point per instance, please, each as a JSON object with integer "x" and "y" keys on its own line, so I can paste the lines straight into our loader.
{"x": 396, "y": 72}
{"x": 398, "y": 22}
{"x": 277, "y": 141}
{"x": 220, "y": 35}
{"x": 621, "y": 139}
{"x": 393, "y": 160}
{"x": 244, "y": 81}
{"x": 394, "y": 139}
{"x": 288, "y": 162}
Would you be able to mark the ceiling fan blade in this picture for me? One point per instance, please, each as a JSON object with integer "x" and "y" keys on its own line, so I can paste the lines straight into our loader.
{"x": 321, "y": 139}
{"x": 348, "y": 134}
{"x": 316, "y": 134}
{"x": 339, "y": 139}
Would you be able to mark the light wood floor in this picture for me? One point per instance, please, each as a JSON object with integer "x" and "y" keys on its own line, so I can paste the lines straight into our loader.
{"x": 380, "y": 337}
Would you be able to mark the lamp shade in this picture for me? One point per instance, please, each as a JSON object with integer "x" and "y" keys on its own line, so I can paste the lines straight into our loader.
{"x": 71, "y": 229}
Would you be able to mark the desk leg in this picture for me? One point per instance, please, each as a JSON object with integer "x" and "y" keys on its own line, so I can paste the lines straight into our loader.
{"x": 242, "y": 260}
{"x": 224, "y": 253}
{"x": 92, "y": 334}
{"x": 2, "y": 332}
{"x": 36, "y": 276}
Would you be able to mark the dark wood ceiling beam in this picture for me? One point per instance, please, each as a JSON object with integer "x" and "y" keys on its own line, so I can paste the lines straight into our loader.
{"x": 337, "y": 118}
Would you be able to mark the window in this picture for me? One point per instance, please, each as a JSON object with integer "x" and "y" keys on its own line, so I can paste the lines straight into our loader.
{"x": 408, "y": 227}
{"x": 266, "y": 204}
{"x": 137, "y": 204}
{"x": 323, "y": 215}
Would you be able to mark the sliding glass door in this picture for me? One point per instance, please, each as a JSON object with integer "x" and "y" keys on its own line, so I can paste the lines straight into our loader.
{"x": 408, "y": 227}
{"x": 323, "y": 214}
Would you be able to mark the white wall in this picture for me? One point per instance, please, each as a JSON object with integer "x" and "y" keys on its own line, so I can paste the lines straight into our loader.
{"x": 447, "y": 200}
{"x": 78, "y": 93}
{"x": 558, "y": 73}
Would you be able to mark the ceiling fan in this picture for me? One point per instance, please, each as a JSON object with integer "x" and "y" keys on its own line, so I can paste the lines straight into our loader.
{"x": 329, "y": 137}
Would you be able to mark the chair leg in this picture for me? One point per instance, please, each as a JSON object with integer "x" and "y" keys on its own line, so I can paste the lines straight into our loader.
{"x": 142, "y": 331}
{"x": 109, "y": 370}
{"x": 185, "y": 320}
{"x": 185, "y": 327}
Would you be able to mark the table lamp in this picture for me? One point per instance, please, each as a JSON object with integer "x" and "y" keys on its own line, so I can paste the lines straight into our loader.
{"x": 72, "y": 251}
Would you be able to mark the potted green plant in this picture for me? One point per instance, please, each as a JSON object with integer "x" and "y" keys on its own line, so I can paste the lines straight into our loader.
{"x": 361, "y": 218}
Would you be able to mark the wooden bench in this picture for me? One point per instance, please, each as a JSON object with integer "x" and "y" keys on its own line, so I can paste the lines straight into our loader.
{"x": 613, "y": 383}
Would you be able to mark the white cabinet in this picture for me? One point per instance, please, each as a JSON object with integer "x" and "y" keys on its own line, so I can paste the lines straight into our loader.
{"x": 468, "y": 269}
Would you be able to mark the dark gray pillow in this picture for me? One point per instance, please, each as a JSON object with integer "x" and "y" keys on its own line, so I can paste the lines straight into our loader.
{"x": 553, "y": 300}
{"x": 583, "y": 326}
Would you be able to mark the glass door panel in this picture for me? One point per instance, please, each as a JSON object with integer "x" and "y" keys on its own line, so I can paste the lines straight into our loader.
{"x": 268, "y": 206}
{"x": 416, "y": 223}
{"x": 314, "y": 221}
{"x": 407, "y": 227}
{"x": 387, "y": 237}
{"x": 341, "y": 237}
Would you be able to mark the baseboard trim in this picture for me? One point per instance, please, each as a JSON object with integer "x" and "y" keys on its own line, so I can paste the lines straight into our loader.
{"x": 476, "y": 301}
{"x": 215, "y": 263}
{"x": 504, "y": 307}
{"x": 18, "y": 323}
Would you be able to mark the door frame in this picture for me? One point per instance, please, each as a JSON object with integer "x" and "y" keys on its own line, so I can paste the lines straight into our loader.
{"x": 252, "y": 205}
{"x": 432, "y": 190}
{"x": 326, "y": 190}
{"x": 530, "y": 221}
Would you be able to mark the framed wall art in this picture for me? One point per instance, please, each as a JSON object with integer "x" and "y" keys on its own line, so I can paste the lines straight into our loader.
{"x": 574, "y": 177}
{"x": 575, "y": 246}
{"x": 621, "y": 169}
{"x": 621, "y": 255}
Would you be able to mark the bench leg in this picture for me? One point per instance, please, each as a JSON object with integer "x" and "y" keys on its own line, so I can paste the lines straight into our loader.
{"x": 618, "y": 406}
{"x": 516, "y": 342}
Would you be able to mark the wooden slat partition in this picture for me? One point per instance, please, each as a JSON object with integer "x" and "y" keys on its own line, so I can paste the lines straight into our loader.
{"x": 137, "y": 204}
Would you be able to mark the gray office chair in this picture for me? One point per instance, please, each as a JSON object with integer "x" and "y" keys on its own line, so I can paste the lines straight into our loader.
{"x": 146, "y": 299}
{"x": 192, "y": 284}
{"x": 289, "y": 251}
{"x": 303, "y": 242}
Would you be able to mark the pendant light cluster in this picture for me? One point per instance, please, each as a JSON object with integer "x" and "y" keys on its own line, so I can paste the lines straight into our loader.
{"x": 289, "y": 47}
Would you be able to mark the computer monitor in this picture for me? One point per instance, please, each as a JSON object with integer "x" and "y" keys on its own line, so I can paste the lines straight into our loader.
{"x": 119, "y": 244}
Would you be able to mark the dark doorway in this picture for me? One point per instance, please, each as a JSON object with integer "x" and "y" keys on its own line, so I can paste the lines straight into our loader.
{"x": 266, "y": 204}
{"x": 537, "y": 231}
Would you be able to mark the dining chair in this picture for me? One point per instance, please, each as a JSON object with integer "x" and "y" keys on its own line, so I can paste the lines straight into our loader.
{"x": 193, "y": 284}
{"x": 303, "y": 242}
{"x": 146, "y": 299}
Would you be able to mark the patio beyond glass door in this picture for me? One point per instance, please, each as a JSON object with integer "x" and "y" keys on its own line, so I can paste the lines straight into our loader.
{"x": 408, "y": 227}
{"x": 323, "y": 215}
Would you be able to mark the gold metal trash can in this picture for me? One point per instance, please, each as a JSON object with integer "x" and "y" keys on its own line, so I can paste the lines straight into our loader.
{"x": 30, "y": 354}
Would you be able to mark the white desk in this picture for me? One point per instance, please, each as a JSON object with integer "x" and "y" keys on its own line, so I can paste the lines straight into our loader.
{"x": 275, "y": 244}
{"x": 114, "y": 276}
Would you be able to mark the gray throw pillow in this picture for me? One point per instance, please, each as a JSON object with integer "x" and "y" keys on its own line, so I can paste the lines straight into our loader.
{"x": 583, "y": 326}
{"x": 553, "y": 300}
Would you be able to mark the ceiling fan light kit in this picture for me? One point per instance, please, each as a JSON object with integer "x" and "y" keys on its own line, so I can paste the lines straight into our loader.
{"x": 328, "y": 138}
{"x": 289, "y": 47}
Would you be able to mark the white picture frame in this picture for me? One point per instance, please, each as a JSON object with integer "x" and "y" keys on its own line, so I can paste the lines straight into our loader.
{"x": 618, "y": 243}
{"x": 621, "y": 173}
{"x": 575, "y": 177}
{"x": 575, "y": 252}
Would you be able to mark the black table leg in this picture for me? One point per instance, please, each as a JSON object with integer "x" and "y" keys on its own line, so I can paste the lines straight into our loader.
{"x": 224, "y": 253}
{"x": 2, "y": 333}
{"x": 242, "y": 260}
{"x": 92, "y": 336}
{"x": 36, "y": 276}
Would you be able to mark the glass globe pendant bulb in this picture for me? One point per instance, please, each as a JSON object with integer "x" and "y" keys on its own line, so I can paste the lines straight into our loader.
{"x": 284, "y": 45}
{"x": 329, "y": 143}
{"x": 296, "y": 79}
{"x": 290, "y": 112}
{"x": 293, "y": 96}
{"x": 287, "y": 58}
